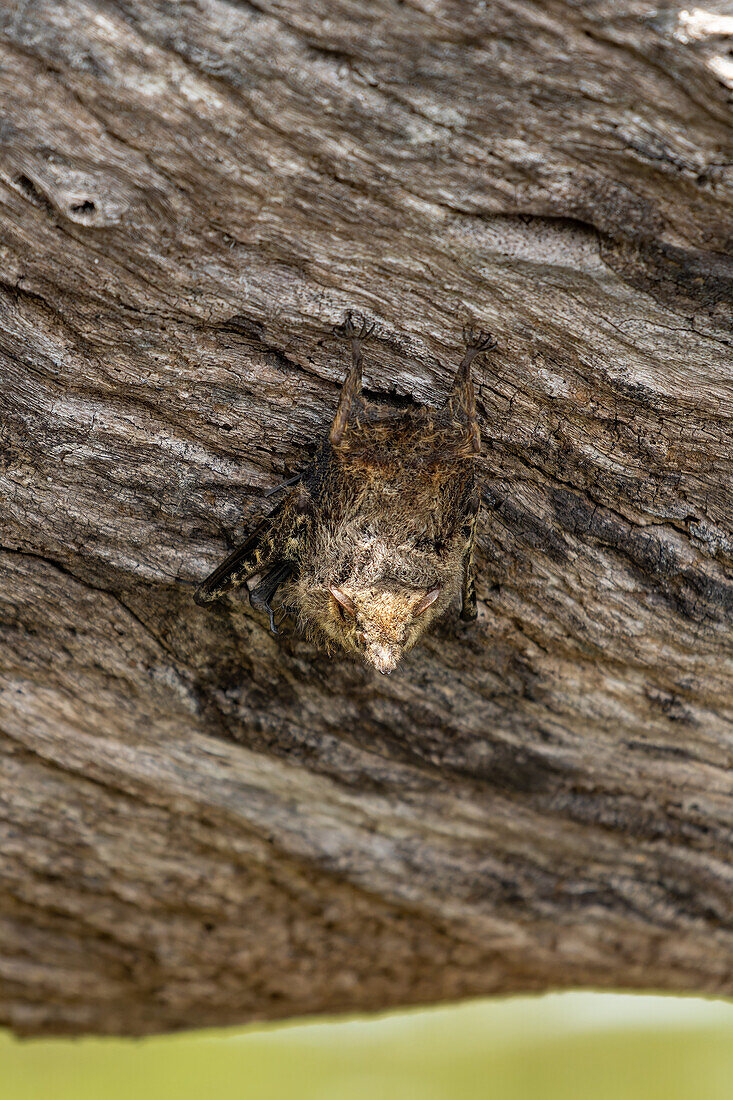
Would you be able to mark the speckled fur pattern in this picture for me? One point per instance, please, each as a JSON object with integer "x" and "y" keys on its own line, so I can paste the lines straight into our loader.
{"x": 376, "y": 541}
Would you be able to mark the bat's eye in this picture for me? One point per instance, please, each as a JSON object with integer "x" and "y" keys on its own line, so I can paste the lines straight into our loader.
{"x": 344, "y": 601}
{"x": 428, "y": 599}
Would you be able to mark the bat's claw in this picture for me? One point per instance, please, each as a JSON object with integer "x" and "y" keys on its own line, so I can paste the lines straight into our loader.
{"x": 262, "y": 605}
{"x": 477, "y": 339}
{"x": 353, "y": 327}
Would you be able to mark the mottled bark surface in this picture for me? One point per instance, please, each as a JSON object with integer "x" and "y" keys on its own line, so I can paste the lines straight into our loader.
{"x": 202, "y": 824}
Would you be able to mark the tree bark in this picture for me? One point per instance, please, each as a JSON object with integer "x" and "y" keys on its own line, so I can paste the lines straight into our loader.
{"x": 201, "y": 824}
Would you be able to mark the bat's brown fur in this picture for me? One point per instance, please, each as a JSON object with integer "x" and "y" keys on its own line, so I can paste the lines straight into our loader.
{"x": 376, "y": 541}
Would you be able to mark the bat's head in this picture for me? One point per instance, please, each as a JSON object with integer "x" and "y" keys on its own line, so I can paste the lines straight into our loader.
{"x": 382, "y": 623}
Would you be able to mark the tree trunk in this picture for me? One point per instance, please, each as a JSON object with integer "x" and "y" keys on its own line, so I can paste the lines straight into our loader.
{"x": 202, "y": 824}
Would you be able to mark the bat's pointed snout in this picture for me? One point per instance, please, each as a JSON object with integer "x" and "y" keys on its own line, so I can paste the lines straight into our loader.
{"x": 383, "y": 658}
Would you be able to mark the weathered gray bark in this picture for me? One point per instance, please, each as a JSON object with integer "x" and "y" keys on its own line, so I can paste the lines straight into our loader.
{"x": 202, "y": 824}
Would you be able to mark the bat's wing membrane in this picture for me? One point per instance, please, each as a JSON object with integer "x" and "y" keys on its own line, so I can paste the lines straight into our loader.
{"x": 249, "y": 558}
{"x": 275, "y": 541}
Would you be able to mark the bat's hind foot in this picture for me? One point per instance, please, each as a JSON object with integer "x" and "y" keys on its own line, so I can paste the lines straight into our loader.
{"x": 353, "y": 327}
{"x": 478, "y": 339}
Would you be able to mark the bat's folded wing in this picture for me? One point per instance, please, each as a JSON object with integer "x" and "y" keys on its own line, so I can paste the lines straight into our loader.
{"x": 248, "y": 559}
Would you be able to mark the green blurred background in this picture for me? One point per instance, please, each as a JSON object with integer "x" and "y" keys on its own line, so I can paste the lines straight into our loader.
{"x": 597, "y": 1046}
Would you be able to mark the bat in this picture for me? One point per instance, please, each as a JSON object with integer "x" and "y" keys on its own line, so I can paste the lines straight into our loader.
{"x": 376, "y": 539}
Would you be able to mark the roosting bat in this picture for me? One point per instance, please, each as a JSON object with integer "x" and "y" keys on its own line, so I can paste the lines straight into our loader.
{"x": 376, "y": 540}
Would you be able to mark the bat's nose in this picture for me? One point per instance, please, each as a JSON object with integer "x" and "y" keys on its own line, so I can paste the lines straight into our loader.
{"x": 383, "y": 658}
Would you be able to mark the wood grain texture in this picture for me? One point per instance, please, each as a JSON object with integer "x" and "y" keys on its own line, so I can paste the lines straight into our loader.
{"x": 201, "y": 824}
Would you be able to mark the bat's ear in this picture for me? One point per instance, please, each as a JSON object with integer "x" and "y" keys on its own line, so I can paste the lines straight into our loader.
{"x": 428, "y": 599}
{"x": 344, "y": 601}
